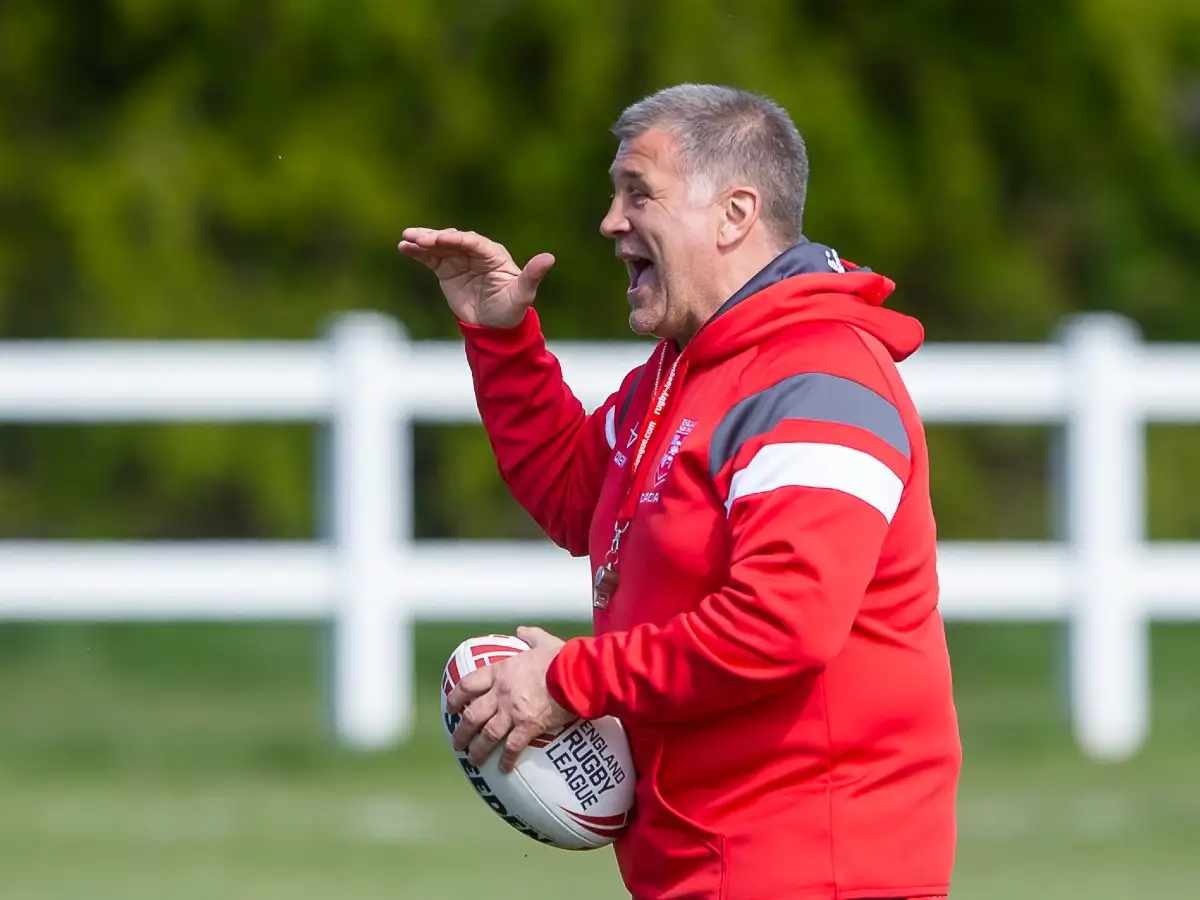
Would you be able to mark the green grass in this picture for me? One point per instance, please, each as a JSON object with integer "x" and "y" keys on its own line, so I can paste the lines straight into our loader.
{"x": 190, "y": 762}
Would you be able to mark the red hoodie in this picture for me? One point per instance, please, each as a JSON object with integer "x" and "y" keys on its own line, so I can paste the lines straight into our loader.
{"x": 773, "y": 645}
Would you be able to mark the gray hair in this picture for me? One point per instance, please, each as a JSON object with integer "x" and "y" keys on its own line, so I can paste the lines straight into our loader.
{"x": 728, "y": 136}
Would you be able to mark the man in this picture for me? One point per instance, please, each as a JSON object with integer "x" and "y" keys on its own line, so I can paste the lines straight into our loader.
{"x": 755, "y": 503}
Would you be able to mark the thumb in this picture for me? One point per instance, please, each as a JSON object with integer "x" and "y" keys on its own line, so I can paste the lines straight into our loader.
{"x": 531, "y": 276}
{"x": 532, "y": 635}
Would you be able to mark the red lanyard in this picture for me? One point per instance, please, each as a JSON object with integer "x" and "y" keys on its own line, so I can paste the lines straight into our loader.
{"x": 660, "y": 398}
{"x": 606, "y": 579}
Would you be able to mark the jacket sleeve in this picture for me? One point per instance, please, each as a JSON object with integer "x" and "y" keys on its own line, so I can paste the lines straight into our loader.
{"x": 550, "y": 452}
{"x": 809, "y": 505}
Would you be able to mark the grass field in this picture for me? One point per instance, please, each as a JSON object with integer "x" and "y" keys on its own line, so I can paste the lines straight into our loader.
{"x": 189, "y": 762}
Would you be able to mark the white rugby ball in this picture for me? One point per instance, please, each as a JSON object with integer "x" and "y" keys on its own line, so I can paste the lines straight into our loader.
{"x": 572, "y": 789}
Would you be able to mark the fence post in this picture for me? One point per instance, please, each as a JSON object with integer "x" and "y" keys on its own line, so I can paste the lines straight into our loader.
{"x": 1103, "y": 518}
{"x": 367, "y": 498}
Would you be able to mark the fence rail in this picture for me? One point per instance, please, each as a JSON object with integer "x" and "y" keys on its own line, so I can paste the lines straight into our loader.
{"x": 370, "y": 579}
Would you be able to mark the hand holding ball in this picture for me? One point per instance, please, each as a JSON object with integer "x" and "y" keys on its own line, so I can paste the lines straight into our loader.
{"x": 570, "y": 788}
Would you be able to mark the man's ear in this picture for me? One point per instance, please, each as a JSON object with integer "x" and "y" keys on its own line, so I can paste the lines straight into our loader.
{"x": 741, "y": 209}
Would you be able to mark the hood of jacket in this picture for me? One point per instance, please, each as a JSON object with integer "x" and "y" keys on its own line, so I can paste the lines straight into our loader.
{"x": 808, "y": 282}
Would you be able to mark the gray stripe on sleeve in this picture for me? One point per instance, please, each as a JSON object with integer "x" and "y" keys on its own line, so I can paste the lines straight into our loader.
{"x": 815, "y": 396}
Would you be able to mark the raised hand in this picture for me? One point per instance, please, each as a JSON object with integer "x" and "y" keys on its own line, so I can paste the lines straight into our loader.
{"x": 481, "y": 282}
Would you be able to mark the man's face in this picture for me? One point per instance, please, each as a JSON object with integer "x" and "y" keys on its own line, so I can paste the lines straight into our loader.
{"x": 666, "y": 236}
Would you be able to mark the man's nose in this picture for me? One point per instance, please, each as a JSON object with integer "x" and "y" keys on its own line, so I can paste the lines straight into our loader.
{"x": 614, "y": 222}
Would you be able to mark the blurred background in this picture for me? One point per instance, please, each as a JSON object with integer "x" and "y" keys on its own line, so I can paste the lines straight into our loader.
{"x": 220, "y": 169}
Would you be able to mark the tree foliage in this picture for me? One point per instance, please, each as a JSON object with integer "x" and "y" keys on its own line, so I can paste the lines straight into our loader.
{"x": 223, "y": 169}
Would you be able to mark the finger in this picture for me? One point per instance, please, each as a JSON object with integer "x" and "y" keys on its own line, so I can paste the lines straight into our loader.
{"x": 471, "y": 243}
{"x": 535, "y": 270}
{"x": 533, "y": 273}
{"x": 472, "y": 685}
{"x": 532, "y": 635}
{"x": 473, "y": 718}
{"x": 518, "y": 739}
{"x": 424, "y": 237}
{"x": 491, "y": 735}
{"x": 419, "y": 253}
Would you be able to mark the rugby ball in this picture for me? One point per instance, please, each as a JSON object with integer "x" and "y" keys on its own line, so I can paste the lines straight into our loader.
{"x": 572, "y": 789}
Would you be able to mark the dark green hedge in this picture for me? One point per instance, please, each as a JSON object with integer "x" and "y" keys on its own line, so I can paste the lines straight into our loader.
{"x": 231, "y": 169}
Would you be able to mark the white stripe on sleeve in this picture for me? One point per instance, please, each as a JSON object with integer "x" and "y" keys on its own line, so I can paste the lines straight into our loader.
{"x": 610, "y": 427}
{"x": 829, "y": 466}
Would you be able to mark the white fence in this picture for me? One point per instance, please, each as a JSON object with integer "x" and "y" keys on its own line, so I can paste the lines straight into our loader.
{"x": 371, "y": 579}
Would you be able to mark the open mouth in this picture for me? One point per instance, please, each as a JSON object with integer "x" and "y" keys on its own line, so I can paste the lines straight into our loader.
{"x": 640, "y": 270}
